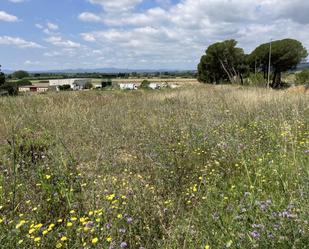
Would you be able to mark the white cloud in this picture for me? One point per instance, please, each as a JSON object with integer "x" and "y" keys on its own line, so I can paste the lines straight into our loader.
{"x": 39, "y": 26}
{"x": 52, "y": 26}
{"x": 6, "y": 17}
{"x": 60, "y": 42}
{"x": 29, "y": 62}
{"x": 18, "y": 42}
{"x": 17, "y": 1}
{"x": 182, "y": 31}
{"x": 89, "y": 17}
{"x": 52, "y": 54}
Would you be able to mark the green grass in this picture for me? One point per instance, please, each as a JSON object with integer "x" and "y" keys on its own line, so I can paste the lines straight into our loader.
{"x": 199, "y": 167}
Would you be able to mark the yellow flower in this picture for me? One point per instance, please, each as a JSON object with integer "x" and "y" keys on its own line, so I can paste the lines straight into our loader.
{"x": 22, "y": 222}
{"x": 47, "y": 177}
{"x": 45, "y": 232}
{"x": 109, "y": 239}
{"x": 119, "y": 216}
{"x": 69, "y": 224}
{"x": 59, "y": 245}
{"x": 94, "y": 240}
{"x": 60, "y": 220}
{"x": 20, "y": 242}
{"x": 207, "y": 247}
{"x": 195, "y": 188}
{"x": 73, "y": 219}
{"x": 38, "y": 226}
{"x": 37, "y": 239}
{"x": 229, "y": 243}
{"x": 32, "y": 230}
{"x": 63, "y": 238}
{"x": 50, "y": 227}
{"x": 110, "y": 197}
{"x": 72, "y": 212}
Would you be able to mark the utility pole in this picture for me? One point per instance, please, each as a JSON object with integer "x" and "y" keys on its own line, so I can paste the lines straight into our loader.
{"x": 269, "y": 64}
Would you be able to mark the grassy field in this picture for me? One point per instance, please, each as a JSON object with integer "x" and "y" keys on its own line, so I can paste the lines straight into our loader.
{"x": 199, "y": 167}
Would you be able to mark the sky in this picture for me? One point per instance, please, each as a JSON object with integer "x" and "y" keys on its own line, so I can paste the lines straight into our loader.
{"x": 138, "y": 34}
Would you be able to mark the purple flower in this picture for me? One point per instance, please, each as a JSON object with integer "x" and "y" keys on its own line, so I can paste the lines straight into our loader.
{"x": 270, "y": 236}
{"x": 129, "y": 220}
{"x": 123, "y": 244}
{"x": 112, "y": 245}
{"x": 255, "y": 234}
{"x": 306, "y": 151}
{"x": 108, "y": 226}
{"x": 90, "y": 224}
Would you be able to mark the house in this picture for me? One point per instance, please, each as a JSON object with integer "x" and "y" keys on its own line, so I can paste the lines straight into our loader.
{"x": 75, "y": 84}
{"x": 128, "y": 86}
{"x": 38, "y": 88}
{"x": 154, "y": 86}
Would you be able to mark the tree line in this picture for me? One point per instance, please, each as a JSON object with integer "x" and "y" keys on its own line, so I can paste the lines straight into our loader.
{"x": 225, "y": 62}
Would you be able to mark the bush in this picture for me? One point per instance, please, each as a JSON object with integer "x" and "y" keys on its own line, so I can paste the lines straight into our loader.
{"x": 65, "y": 88}
{"x": 88, "y": 85}
{"x": 302, "y": 77}
{"x": 255, "y": 80}
{"x": 9, "y": 89}
{"x": 145, "y": 84}
{"x": 106, "y": 83}
{"x": 24, "y": 82}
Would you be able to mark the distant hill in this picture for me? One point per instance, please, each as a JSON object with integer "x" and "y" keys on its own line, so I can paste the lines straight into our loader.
{"x": 302, "y": 66}
{"x": 101, "y": 70}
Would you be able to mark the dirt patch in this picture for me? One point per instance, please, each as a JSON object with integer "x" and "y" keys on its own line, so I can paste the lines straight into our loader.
{"x": 299, "y": 89}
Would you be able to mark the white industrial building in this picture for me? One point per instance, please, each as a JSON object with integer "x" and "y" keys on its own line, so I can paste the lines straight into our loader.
{"x": 128, "y": 86}
{"x": 75, "y": 84}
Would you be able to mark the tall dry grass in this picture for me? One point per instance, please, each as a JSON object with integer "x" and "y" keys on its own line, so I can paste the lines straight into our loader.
{"x": 198, "y": 167}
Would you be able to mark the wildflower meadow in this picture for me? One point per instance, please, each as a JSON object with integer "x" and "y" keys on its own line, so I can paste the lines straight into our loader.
{"x": 200, "y": 167}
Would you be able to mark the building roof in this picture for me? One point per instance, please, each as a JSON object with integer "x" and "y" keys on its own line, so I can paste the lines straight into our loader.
{"x": 38, "y": 85}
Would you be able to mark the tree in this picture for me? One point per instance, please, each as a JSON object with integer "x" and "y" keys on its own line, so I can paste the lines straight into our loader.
{"x": 285, "y": 55}
{"x": 7, "y": 88}
{"x": 223, "y": 61}
{"x": 20, "y": 74}
{"x": 2, "y": 77}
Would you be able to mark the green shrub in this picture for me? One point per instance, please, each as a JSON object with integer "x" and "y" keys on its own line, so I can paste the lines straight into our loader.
{"x": 302, "y": 77}
{"x": 9, "y": 88}
{"x": 145, "y": 84}
{"x": 24, "y": 82}
{"x": 88, "y": 85}
{"x": 65, "y": 88}
{"x": 106, "y": 83}
{"x": 255, "y": 80}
